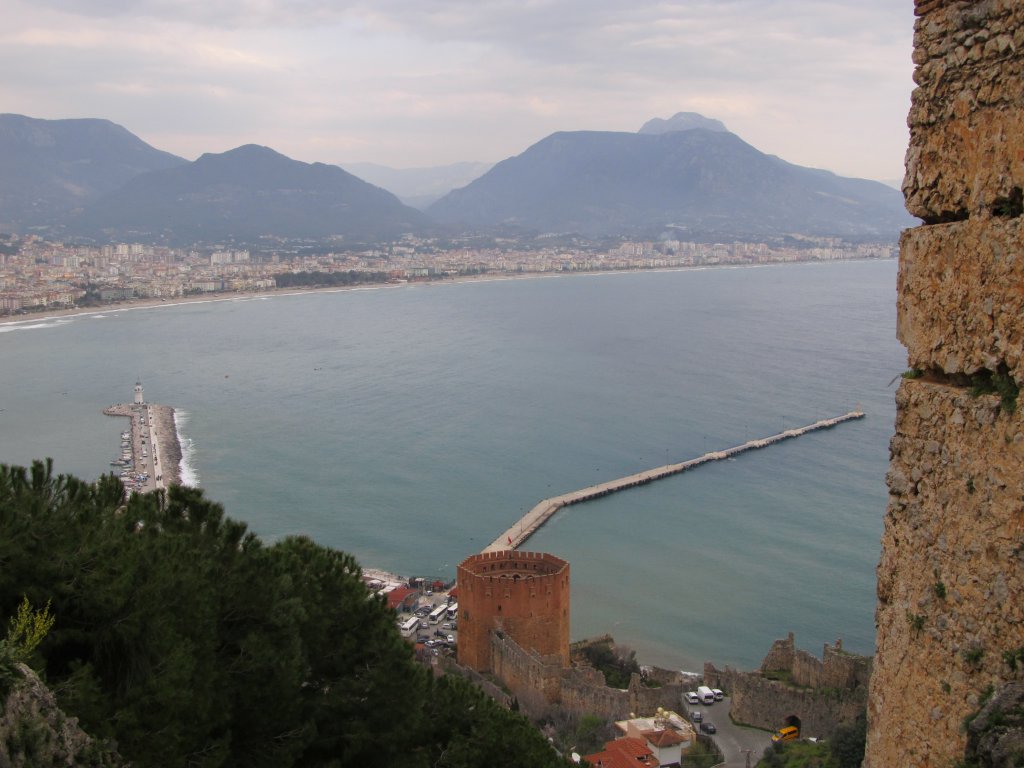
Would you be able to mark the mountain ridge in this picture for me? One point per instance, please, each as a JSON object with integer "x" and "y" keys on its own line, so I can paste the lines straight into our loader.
{"x": 706, "y": 182}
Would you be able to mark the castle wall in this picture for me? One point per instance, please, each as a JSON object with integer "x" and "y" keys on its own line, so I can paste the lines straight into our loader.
{"x": 522, "y": 594}
{"x": 824, "y": 693}
{"x": 541, "y": 683}
{"x": 765, "y": 703}
{"x": 952, "y": 565}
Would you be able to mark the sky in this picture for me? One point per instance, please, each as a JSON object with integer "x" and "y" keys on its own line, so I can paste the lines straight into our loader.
{"x": 417, "y": 83}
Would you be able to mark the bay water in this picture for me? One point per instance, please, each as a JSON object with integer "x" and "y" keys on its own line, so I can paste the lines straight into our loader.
{"x": 411, "y": 424}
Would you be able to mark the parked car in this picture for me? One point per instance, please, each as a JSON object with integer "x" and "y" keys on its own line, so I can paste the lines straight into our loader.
{"x": 692, "y": 697}
{"x": 451, "y": 638}
{"x": 697, "y": 716}
{"x": 789, "y": 733}
{"x": 719, "y": 695}
{"x": 708, "y": 728}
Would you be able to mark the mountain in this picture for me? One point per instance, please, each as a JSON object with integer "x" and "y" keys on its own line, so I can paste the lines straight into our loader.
{"x": 419, "y": 187}
{"x": 695, "y": 183}
{"x": 247, "y": 193}
{"x": 681, "y": 121}
{"x": 49, "y": 167}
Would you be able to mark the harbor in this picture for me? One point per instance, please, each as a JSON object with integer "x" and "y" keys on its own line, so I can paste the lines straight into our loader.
{"x": 529, "y": 523}
{"x": 150, "y": 454}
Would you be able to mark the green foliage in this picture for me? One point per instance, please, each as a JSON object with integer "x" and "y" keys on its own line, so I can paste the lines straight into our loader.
{"x": 999, "y": 382}
{"x": 796, "y": 754}
{"x": 973, "y": 655}
{"x": 940, "y": 590}
{"x": 325, "y": 279}
{"x": 1012, "y": 657}
{"x": 916, "y": 622}
{"x": 591, "y": 734}
{"x": 847, "y": 744}
{"x": 617, "y": 667}
{"x": 1011, "y": 206}
{"x": 190, "y": 642}
{"x": 27, "y": 628}
{"x": 703, "y": 754}
{"x": 912, "y": 373}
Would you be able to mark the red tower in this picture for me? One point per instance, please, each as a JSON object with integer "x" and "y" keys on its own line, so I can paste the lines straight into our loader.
{"x": 523, "y": 594}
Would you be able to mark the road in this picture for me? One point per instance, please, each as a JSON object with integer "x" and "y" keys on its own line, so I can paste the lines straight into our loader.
{"x": 733, "y": 739}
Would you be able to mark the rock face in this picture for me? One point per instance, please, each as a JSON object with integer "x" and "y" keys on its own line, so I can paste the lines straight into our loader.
{"x": 34, "y": 731}
{"x": 950, "y": 619}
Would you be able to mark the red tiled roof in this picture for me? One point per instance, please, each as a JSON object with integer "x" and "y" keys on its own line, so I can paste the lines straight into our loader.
{"x": 626, "y": 752}
{"x": 664, "y": 737}
{"x": 398, "y": 595}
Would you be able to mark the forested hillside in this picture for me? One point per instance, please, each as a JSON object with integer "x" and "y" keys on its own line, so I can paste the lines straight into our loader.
{"x": 183, "y": 639}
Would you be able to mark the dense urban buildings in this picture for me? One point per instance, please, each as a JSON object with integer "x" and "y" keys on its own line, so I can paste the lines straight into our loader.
{"x": 36, "y": 274}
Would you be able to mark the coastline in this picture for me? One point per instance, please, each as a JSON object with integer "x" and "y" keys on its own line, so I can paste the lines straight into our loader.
{"x": 128, "y": 305}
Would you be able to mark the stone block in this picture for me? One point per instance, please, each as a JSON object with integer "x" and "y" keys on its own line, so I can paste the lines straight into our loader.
{"x": 961, "y": 296}
{"x": 966, "y": 119}
{"x": 951, "y": 568}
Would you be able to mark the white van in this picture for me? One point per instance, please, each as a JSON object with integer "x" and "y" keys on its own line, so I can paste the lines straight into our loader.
{"x": 692, "y": 698}
{"x": 719, "y": 695}
{"x": 707, "y": 696}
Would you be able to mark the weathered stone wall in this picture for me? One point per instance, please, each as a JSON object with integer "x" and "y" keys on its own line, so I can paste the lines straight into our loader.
{"x": 541, "y": 684}
{"x": 835, "y": 669}
{"x": 824, "y": 693}
{"x": 765, "y": 703}
{"x": 950, "y": 619}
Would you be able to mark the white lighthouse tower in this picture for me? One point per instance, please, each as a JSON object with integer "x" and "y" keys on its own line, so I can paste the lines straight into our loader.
{"x": 139, "y": 400}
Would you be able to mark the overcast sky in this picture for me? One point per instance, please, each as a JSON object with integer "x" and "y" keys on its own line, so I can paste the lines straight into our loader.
{"x": 406, "y": 83}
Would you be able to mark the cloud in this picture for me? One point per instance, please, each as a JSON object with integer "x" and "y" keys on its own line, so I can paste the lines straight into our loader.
{"x": 413, "y": 83}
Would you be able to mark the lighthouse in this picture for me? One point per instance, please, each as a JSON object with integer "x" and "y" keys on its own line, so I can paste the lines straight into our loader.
{"x": 139, "y": 400}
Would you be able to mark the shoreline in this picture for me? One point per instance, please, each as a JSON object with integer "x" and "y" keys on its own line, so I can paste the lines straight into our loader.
{"x": 12, "y": 321}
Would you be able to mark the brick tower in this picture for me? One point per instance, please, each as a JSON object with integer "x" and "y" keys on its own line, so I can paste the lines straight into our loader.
{"x": 523, "y": 594}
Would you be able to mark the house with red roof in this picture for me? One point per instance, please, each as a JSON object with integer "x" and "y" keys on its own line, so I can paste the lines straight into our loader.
{"x": 402, "y": 598}
{"x": 627, "y": 752}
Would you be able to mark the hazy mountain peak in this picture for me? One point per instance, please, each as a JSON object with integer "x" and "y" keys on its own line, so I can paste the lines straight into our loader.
{"x": 682, "y": 121}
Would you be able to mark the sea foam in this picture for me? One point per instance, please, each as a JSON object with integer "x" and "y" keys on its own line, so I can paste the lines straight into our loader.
{"x": 186, "y": 468}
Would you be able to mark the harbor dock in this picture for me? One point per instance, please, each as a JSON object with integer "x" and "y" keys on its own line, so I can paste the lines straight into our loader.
{"x": 529, "y": 523}
{"x": 151, "y": 455}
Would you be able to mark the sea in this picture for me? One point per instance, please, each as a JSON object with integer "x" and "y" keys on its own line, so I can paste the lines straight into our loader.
{"x": 412, "y": 424}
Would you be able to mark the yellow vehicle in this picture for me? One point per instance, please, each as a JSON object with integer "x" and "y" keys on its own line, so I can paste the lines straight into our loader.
{"x": 788, "y": 733}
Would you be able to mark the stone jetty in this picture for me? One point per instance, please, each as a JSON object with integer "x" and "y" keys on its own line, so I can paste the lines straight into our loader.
{"x": 543, "y": 511}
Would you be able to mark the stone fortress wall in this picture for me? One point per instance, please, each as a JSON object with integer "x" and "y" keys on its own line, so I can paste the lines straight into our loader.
{"x": 541, "y": 684}
{"x": 950, "y": 616}
{"x": 824, "y": 693}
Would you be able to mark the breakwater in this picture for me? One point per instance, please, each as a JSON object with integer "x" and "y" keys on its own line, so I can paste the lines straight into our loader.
{"x": 528, "y": 524}
{"x": 153, "y": 451}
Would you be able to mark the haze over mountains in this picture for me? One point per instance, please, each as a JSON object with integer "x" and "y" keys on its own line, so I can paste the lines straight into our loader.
{"x": 687, "y": 176}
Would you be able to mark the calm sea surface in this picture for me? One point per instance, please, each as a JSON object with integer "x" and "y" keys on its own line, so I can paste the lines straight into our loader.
{"x": 411, "y": 425}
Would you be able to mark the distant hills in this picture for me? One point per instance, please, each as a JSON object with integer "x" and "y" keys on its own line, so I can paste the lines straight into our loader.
{"x": 247, "y": 193}
{"x": 687, "y": 176}
{"x": 50, "y": 167}
{"x": 692, "y": 181}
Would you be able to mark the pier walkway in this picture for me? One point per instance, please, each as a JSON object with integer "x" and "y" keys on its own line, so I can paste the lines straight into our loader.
{"x": 542, "y": 512}
{"x": 146, "y": 437}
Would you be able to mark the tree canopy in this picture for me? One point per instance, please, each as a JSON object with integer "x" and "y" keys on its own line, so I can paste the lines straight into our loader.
{"x": 185, "y": 640}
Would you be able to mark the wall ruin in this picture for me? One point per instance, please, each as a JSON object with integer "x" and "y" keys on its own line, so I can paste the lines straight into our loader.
{"x": 949, "y": 616}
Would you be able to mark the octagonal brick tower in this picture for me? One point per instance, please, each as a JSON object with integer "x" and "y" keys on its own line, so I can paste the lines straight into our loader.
{"x": 522, "y": 594}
